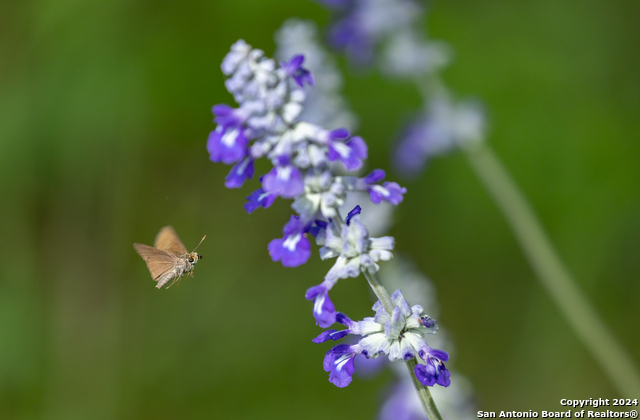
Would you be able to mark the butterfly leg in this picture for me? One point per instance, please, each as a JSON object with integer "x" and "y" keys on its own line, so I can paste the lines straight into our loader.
{"x": 177, "y": 279}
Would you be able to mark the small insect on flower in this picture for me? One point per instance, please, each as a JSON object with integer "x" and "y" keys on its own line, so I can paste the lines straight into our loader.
{"x": 168, "y": 259}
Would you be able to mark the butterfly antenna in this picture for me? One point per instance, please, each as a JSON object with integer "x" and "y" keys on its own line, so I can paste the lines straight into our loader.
{"x": 194, "y": 249}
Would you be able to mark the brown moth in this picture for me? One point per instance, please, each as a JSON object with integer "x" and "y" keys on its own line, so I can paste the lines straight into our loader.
{"x": 168, "y": 259}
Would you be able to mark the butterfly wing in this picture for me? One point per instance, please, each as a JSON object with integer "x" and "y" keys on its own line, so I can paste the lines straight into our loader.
{"x": 167, "y": 240}
{"x": 158, "y": 261}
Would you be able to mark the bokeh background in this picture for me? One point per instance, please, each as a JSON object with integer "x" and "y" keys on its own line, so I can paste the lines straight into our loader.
{"x": 104, "y": 115}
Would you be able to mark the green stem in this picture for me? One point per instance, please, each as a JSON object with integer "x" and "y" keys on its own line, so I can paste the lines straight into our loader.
{"x": 553, "y": 275}
{"x": 379, "y": 290}
{"x": 423, "y": 392}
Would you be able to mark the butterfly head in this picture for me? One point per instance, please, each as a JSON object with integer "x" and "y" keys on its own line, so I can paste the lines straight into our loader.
{"x": 193, "y": 258}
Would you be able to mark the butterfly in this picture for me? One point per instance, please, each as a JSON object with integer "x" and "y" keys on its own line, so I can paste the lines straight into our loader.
{"x": 168, "y": 259}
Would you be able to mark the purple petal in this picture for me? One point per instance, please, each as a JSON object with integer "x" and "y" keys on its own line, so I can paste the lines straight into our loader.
{"x": 323, "y": 310}
{"x": 443, "y": 377}
{"x": 375, "y": 196}
{"x": 350, "y": 153}
{"x": 314, "y": 291}
{"x": 434, "y": 370}
{"x": 227, "y": 116}
{"x": 294, "y": 248}
{"x": 228, "y": 145}
{"x": 396, "y": 193}
{"x": 410, "y": 157}
{"x": 296, "y": 61}
{"x": 303, "y": 76}
{"x": 345, "y": 320}
{"x": 425, "y": 374}
{"x": 375, "y": 176}
{"x": 316, "y": 227}
{"x": 427, "y": 351}
{"x": 339, "y": 133}
{"x": 294, "y": 69}
{"x": 285, "y": 181}
{"x": 349, "y": 35}
{"x": 239, "y": 173}
{"x": 358, "y": 146}
{"x": 339, "y": 363}
{"x": 292, "y": 251}
{"x": 222, "y": 110}
{"x": 428, "y": 323}
{"x": 259, "y": 198}
{"x": 294, "y": 225}
{"x": 330, "y": 335}
{"x": 390, "y": 191}
{"x": 356, "y": 211}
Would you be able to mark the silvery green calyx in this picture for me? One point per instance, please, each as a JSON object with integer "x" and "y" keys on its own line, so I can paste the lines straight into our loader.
{"x": 356, "y": 252}
{"x": 399, "y": 336}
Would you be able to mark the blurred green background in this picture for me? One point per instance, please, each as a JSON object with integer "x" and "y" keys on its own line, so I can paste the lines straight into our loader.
{"x": 104, "y": 115}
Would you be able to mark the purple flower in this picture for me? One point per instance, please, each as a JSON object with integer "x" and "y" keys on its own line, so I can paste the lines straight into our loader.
{"x": 323, "y": 310}
{"x": 398, "y": 335}
{"x": 428, "y": 323}
{"x": 294, "y": 69}
{"x": 362, "y": 26}
{"x": 239, "y": 173}
{"x": 355, "y": 250}
{"x": 411, "y": 154}
{"x": 337, "y": 335}
{"x": 228, "y": 142}
{"x": 348, "y": 35}
{"x": 284, "y": 180}
{"x": 259, "y": 198}
{"x": 339, "y": 363}
{"x": 389, "y": 191}
{"x": 294, "y": 248}
{"x": 444, "y": 127}
{"x": 433, "y": 371}
{"x": 351, "y": 153}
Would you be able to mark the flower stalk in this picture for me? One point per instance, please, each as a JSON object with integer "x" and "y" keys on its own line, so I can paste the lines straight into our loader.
{"x": 379, "y": 290}
{"x": 267, "y": 124}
